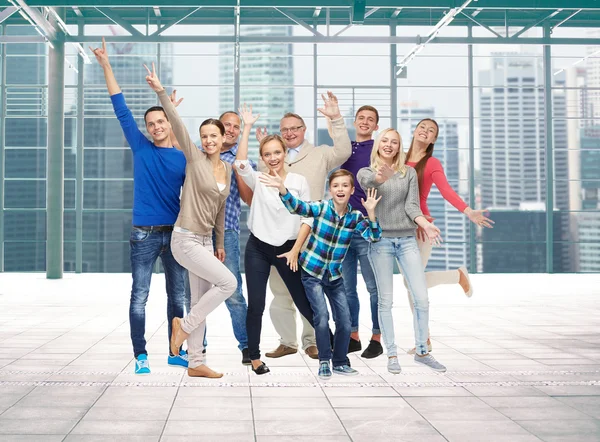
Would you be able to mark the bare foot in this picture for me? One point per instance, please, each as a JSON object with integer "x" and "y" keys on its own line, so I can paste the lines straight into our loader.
{"x": 177, "y": 336}
{"x": 376, "y": 337}
{"x": 463, "y": 280}
{"x": 202, "y": 371}
{"x": 354, "y": 335}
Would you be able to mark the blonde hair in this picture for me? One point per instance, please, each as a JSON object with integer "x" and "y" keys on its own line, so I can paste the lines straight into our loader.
{"x": 398, "y": 164}
{"x": 272, "y": 137}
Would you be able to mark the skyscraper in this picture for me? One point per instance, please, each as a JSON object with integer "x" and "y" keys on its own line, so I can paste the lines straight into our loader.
{"x": 453, "y": 224}
{"x": 266, "y": 82}
{"x": 513, "y": 139}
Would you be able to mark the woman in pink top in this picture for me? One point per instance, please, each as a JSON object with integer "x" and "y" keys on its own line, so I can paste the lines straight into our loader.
{"x": 430, "y": 171}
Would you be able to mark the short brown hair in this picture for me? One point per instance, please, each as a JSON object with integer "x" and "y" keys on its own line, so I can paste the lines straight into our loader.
{"x": 368, "y": 108}
{"x": 293, "y": 115}
{"x": 341, "y": 173}
{"x": 273, "y": 137}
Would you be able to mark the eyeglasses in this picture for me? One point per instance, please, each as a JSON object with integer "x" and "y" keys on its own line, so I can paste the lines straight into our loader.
{"x": 285, "y": 130}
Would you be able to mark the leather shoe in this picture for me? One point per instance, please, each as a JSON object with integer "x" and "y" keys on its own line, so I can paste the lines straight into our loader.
{"x": 246, "y": 357}
{"x": 282, "y": 350}
{"x": 354, "y": 345}
{"x": 312, "y": 352}
{"x": 262, "y": 369}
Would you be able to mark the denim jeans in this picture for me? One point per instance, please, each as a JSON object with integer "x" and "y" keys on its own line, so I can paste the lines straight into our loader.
{"x": 316, "y": 290}
{"x": 406, "y": 251}
{"x": 359, "y": 252}
{"x": 258, "y": 259}
{"x": 145, "y": 247}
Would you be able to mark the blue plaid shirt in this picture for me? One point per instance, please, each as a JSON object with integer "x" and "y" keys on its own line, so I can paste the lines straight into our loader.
{"x": 233, "y": 207}
{"x": 331, "y": 234}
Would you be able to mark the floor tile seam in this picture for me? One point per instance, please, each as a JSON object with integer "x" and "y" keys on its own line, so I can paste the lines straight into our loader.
{"x": 573, "y": 407}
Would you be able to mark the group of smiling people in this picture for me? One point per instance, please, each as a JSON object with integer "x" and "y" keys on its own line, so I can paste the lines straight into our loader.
{"x": 308, "y": 247}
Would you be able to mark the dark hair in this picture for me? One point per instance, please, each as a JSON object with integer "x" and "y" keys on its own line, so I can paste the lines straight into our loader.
{"x": 272, "y": 137}
{"x": 214, "y": 122}
{"x": 420, "y": 166}
{"x": 229, "y": 112}
{"x": 155, "y": 109}
{"x": 368, "y": 108}
{"x": 340, "y": 173}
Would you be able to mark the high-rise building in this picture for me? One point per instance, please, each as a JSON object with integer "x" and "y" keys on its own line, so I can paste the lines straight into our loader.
{"x": 513, "y": 139}
{"x": 266, "y": 81}
{"x": 108, "y": 162}
{"x": 453, "y": 224}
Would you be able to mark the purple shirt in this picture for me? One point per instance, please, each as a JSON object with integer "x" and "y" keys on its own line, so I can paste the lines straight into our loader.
{"x": 361, "y": 157}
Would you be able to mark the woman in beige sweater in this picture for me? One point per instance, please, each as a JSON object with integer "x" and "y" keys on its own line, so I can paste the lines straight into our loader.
{"x": 205, "y": 190}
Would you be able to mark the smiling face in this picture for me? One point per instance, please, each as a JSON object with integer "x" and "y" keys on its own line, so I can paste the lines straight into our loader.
{"x": 211, "y": 138}
{"x": 365, "y": 123}
{"x": 341, "y": 188}
{"x": 426, "y": 132}
{"x": 273, "y": 155}
{"x": 232, "y": 125}
{"x": 292, "y": 131}
{"x": 389, "y": 146}
{"x": 158, "y": 126}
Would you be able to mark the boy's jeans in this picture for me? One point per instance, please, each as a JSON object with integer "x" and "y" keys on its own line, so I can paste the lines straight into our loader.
{"x": 316, "y": 290}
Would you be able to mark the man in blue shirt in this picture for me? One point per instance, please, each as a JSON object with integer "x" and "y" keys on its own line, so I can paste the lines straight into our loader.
{"x": 158, "y": 174}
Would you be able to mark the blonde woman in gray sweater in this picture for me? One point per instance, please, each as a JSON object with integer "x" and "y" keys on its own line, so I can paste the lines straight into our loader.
{"x": 399, "y": 214}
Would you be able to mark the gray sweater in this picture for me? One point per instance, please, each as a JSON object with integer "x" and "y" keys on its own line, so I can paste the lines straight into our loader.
{"x": 399, "y": 205}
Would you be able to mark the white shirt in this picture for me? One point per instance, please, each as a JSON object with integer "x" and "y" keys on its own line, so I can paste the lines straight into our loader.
{"x": 268, "y": 219}
{"x": 292, "y": 153}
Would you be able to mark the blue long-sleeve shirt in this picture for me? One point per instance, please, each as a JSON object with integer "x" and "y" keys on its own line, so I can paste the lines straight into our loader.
{"x": 158, "y": 172}
{"x": 331, "y": 234}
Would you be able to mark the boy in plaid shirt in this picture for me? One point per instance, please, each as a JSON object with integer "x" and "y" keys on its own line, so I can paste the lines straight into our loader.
{"x": 321, "y": 263}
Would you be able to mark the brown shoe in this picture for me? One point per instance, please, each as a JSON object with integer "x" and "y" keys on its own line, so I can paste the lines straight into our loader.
{"x": 312, "y": 352}
{"x": 282, "y": 350}
{"x": 202, "y": 371}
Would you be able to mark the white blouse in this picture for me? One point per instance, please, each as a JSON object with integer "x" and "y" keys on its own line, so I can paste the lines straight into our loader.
{"x": 268, "y": 219}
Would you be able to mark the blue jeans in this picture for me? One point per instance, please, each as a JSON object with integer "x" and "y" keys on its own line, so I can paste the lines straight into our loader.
{"x": 359, "y": 252}
{"x": 316, "y": 290}
{"x": 406, "y": 251}
{"x": 145, "y": 247}
{"x": 236, "y": 303}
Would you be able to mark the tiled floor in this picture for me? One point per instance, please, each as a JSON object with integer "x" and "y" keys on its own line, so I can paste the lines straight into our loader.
{"x": 523, "y": 359}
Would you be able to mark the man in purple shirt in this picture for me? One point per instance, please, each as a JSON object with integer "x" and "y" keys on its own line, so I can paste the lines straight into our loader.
{"x": 365, "y": 122}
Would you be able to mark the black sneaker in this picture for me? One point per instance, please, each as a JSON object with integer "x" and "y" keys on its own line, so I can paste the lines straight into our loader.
{"x": 354, "y": 345}
{"x": 373, "y": 350}
{"x": 246, "y": 357}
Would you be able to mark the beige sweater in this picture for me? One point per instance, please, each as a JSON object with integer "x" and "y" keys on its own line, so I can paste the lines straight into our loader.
{"x": 315, "y": 163}
{"x": 202, "y": 204}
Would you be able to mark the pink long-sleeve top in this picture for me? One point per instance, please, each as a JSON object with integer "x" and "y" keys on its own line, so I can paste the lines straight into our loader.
{"x": 434, "y": 174}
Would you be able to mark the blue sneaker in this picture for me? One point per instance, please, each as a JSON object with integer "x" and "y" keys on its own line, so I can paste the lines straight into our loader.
{"x": 346, "y": 370}
{"x": 181, "y": 360}
{"x": 142, "y": 366}
{"x": 324, "y": 370}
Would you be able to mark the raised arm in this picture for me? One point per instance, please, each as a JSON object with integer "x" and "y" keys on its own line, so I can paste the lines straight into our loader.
{"x": 293, "y": 204}
{"x": 342, "y": 147}
{"x": 369, "y": 228}
{"x": 135, "y": 138}
{"x": 186, "y": 144}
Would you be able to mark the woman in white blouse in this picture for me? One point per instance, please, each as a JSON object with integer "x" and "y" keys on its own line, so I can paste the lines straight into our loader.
{"x": 273, "y": 233}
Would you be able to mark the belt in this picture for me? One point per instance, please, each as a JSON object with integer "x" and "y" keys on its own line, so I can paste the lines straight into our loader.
{"x": 166, "y": 228}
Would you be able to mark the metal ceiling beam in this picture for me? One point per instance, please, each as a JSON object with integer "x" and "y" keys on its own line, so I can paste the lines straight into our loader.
{"x": 565, "y": 20}
{"x": 7, "y": 13}
{"x": 116, "y": 18}
{"x": 176, "y": 21}
{"x": 470, "y": 17}
{"x": 371, "y": 12}
{"x": 312, "y": 39}
{"x": 300, "y": 22}
{"x": 537, "y": 23}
